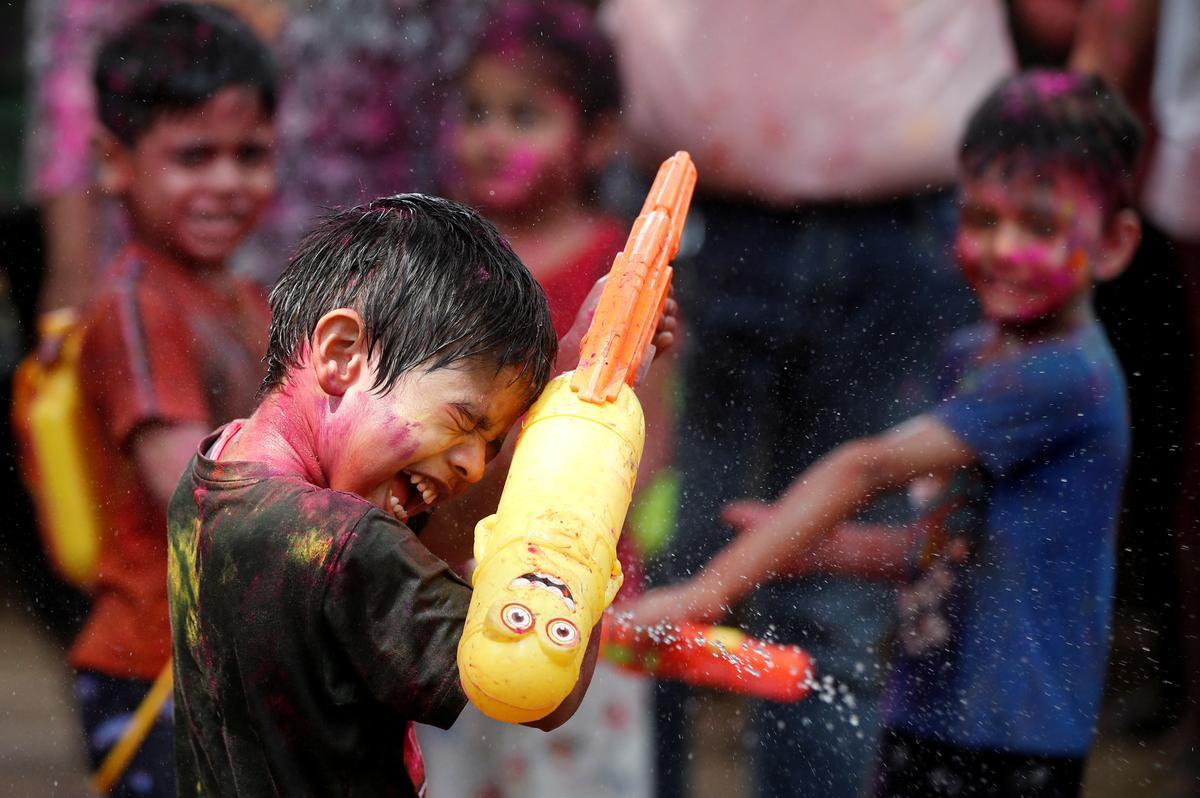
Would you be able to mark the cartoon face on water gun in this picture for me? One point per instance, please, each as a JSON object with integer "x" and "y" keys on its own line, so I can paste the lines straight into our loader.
{"x": 547, "y": 560}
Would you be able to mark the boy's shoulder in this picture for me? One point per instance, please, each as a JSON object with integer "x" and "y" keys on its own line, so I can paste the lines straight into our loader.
{"x": 136, "y": 276}
{"x": 1080, "y": 358}
{"x": 1081, "y": 362}
{"x": 253, "y": 514}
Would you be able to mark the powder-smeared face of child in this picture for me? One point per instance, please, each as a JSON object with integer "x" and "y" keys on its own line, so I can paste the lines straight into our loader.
{"x": 1046, "y": 177}
{"x": 1030, "y": 245}
{"x": 537, "y": 117}
{"x": 197, "y": 181}
{"x": 519, "y": 143}
{"x": 424, "y": 441}
{"x": 406, "y": 338}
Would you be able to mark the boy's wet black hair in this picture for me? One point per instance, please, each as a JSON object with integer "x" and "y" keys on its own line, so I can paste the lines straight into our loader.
{"x": 1050, "y": 121}
{"x": 176, "y": 58}
{"x": 568, "y": 47}
{"x": 435, "y": 285}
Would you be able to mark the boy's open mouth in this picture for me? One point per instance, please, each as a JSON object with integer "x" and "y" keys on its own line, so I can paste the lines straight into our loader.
{"x": 411, "y": 494}
{"x": 546, "y": 582}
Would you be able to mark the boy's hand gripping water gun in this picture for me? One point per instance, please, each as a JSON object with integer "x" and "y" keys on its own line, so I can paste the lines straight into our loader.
{"x": 546, "y": 561}
{"x": 710, "y": 656}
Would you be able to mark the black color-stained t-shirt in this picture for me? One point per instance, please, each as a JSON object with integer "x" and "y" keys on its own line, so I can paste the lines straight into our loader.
{"x": 309, "y": 630}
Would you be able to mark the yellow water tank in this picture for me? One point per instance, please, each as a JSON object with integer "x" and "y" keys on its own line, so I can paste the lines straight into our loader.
{"x": 58, "y": 441}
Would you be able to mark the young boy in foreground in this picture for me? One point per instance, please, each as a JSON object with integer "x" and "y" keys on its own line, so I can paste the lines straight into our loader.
{"x": 172, "y": 341}
{"x": 311, "y": 627}
{"x": 1006, "y": 704}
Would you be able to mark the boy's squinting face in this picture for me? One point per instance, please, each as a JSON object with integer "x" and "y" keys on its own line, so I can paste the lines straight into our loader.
{"x": 1026, "y": 244}
{"x": 519, "y": 144}
{"x": 197, "y": 181}
{"x": 426, "y": 440}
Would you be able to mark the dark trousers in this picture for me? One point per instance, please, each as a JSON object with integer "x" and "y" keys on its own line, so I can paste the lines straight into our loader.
{"x": 910, "y": 767}
{"x": 107, "y": 705}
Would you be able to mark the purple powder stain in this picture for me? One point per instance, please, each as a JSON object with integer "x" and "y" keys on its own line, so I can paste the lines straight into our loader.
{"x": 1052, "y": 84}
{"x": 402, "y": 439}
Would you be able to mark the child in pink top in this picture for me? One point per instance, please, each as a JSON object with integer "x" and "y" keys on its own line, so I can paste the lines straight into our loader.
{"x": 536, "y": 123}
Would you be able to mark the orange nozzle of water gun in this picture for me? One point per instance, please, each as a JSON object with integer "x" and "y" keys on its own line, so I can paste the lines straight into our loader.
{"x": 710, "y": 656}
{"x": 633, "y": 299}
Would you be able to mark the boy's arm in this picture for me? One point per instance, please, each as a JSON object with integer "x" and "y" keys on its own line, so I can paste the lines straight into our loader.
{"x": 865, "y": 551}
{"x": 823, "y": 497}
{"x": 162, "y": 452}
{"x": 571, "y": 703}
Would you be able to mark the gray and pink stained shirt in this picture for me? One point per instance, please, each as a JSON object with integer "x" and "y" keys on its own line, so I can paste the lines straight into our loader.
{"x": 310, "y": 630}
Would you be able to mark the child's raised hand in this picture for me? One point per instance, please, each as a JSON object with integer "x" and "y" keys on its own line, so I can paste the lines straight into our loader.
{"x": 664, "y": 334}
{"x": 668, "y": 323}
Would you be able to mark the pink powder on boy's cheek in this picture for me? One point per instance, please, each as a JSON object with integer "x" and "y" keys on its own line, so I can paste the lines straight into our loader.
{"x": 402, "y": 439}
{"x": 1050, "y": 282}
{"x": 1022, "y": 284}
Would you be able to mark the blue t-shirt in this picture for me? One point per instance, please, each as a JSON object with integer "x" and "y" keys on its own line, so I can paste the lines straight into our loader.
{"x": 1031, "y": 608}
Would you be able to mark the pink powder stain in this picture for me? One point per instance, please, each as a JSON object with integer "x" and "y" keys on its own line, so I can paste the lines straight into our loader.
{"x": 1044, "y": 285}
{"x": 521, "y": 165}
{"x": 402, "y": 438}
{"x": 1052, "y": 84}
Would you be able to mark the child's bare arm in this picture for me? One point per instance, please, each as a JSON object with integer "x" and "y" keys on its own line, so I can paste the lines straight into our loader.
{"x": 162, "y": 452}
{"x": 571, "y": 703}
{"x": 866, "y": 551}
{"x": 822, "y": 498}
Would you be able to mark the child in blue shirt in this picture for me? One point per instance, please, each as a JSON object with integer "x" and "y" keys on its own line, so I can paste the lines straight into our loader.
{"x": 995, "y": 690}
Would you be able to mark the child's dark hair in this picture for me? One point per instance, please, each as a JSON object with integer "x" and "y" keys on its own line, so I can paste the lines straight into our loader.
{"x": 434, "y": 283}
{"x": 1049, "y": 121}
{"x": 572, "y": 52}
{"x": 176, "y": 58}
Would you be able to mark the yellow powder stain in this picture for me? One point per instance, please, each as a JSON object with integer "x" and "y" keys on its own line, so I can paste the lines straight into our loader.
{"x": 309, "y": 548}
{"x": 183, "y": 580}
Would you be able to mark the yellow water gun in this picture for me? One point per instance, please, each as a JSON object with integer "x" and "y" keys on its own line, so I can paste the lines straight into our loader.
{"x": 547, "y": 560}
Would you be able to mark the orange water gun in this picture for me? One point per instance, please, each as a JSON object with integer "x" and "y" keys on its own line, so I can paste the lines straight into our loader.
{"x": 626, "y": 317}
{"x": 547, "y": 560}
{"x": 710, "y": 656}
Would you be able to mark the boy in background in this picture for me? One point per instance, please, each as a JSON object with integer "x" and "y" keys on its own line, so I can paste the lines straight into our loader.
{"x": 186, "y": 98}
{"x": 1000, "y": 694}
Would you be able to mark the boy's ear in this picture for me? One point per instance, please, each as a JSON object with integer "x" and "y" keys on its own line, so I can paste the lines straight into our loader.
{"x": 114, "y": 162}
{"x": 339, "y": 353}
{"x": 1121, "y": 238}
{"x": 602, "y": 142}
